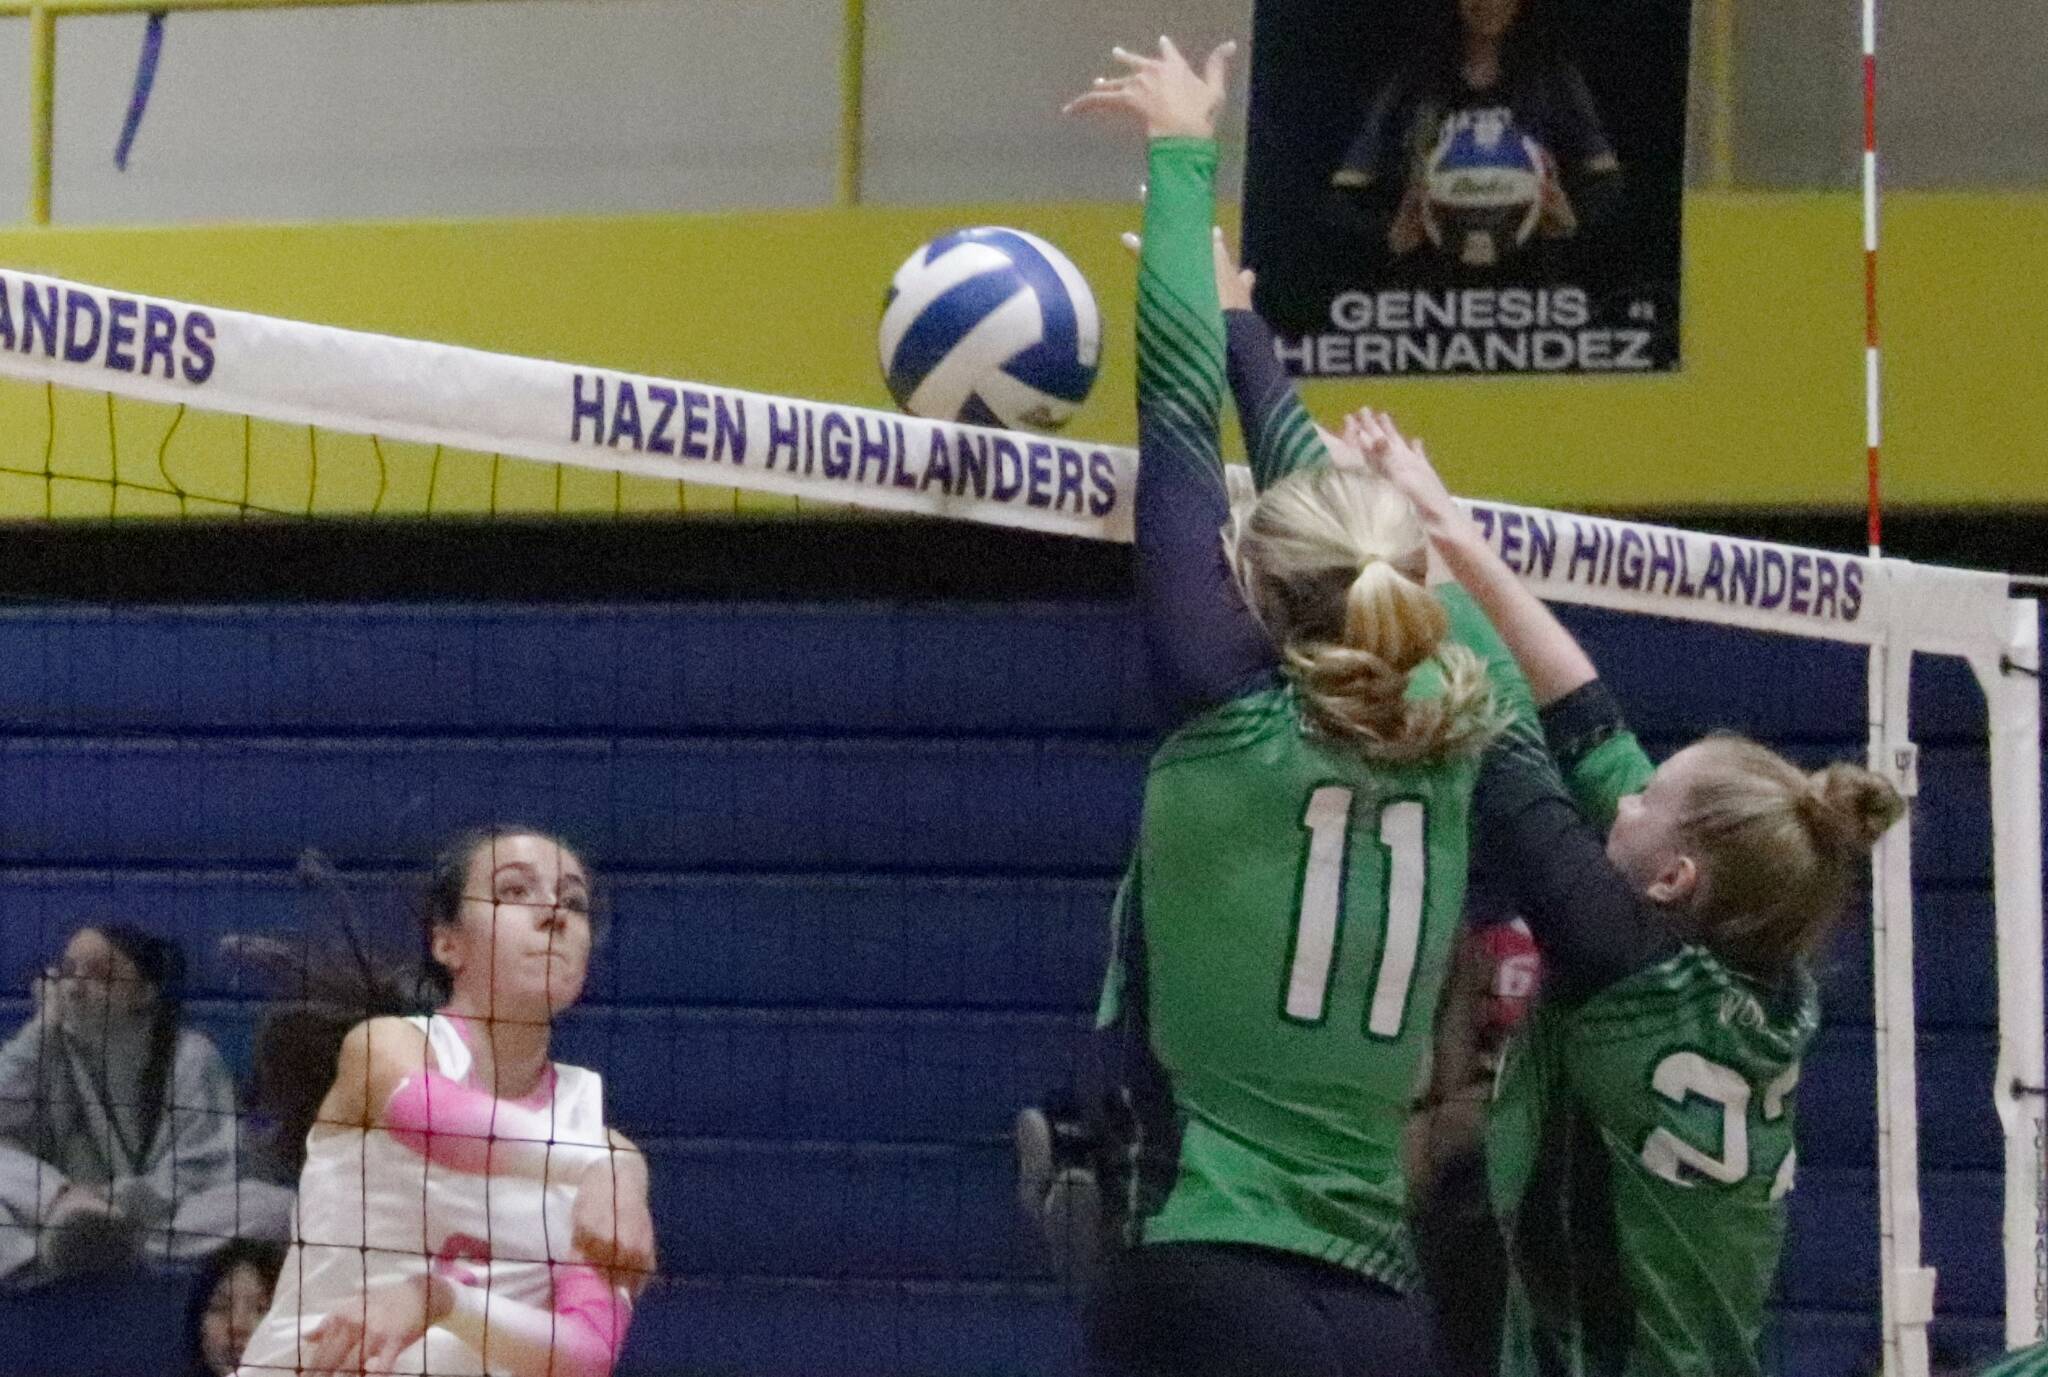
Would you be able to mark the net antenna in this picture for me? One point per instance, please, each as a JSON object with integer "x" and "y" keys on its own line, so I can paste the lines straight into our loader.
{"x": 1906, "y": 1284}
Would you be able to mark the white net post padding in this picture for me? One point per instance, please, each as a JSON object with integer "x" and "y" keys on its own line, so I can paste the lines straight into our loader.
{"x": 1905, "y": 1285}
{"x": 2015, "y": 702}
{"x": 65, "y": 333}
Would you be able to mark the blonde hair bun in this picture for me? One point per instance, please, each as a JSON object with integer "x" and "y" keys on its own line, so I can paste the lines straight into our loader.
{"x": 1851, "y": 806}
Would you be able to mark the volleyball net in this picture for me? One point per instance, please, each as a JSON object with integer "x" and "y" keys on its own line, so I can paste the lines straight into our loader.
{"x": 121, "y": 405}
{"x": 152, "y": 407}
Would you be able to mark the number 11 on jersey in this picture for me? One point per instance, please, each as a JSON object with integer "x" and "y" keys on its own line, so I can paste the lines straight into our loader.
{"x": 1319, "y": 912}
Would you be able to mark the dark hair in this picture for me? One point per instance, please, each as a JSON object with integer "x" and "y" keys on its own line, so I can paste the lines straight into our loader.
{"x": 440, "y": 903}
{"x": 268, "y": 1260}
{"x": 1534, "y": 41}
{"x": 323, "y": 988}
{"x": 161, "y": 963}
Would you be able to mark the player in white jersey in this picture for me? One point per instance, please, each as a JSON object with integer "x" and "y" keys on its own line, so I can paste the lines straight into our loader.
{"x": 463, "y": 1208}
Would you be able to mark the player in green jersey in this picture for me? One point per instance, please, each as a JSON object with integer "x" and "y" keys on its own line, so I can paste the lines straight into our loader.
{"x": 1302, "y": 851}
{"x": 1642, "y": 1145}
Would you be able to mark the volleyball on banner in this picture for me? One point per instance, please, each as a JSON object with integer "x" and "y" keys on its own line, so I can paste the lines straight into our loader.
{"x": 1468, "y": 186}
{"x": 993, "y": 327}
{"x": 214, "y": 359}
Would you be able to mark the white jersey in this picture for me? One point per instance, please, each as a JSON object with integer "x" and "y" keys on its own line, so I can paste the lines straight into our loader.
{"x": 372, "y": 1211}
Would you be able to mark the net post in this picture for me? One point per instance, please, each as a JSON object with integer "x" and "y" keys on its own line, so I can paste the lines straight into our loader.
{"x": 853, "y": 43}
{"x": 42, "y": 110}
{"x": 2021, "y": 1093}
{"x": 1907, "y": 1286}
{"x": 1721, "y": 111}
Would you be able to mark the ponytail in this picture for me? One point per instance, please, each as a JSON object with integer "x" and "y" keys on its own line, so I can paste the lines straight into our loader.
{"x": 1330, "y": 561}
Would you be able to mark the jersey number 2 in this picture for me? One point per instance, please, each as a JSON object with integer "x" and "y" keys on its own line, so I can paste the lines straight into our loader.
{"x": 1319, "y": 912}
{"x": 1688, "y": 1075}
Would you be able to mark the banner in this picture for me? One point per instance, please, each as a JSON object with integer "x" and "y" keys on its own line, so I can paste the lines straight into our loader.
{"x": 290, "y": 371}
{"x": 1468, "y": 186}
{"x": 152, "y": 349}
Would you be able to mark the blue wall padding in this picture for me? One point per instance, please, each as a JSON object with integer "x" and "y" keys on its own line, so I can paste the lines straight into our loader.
{"x": 856, "y": 861}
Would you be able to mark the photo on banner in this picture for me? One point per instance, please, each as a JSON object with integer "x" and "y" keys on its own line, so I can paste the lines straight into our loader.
{"x": 1464, "y": 187}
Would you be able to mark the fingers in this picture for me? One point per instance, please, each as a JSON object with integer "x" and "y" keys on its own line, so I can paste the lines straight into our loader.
{"x": 1216, "y": 70}
{"x": 1170, "y": 53}
{"x": 1354, "y": 432}
{"x": 1137, "y": 62}
{"x": 1104, "y": 93}
{"x": 334, "y": 1345}
{"x": 1369, "y": 433}
{"x": 1096, "y": 102}
{"x": 382, "y": 1355}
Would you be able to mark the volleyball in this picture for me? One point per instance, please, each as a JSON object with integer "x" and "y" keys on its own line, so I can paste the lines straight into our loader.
{"x": 1484, "y": 185}
{"x": 990, "y": 326}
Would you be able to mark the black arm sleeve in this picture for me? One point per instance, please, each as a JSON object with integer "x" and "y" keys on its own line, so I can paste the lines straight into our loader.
{"x": 1580, "y": 722}
{"x": 1279, "y": 436}
{"x": 1591, "y": 925}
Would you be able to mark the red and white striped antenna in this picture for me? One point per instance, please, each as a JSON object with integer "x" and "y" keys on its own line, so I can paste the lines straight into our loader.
{"x": 1873, "y": 397}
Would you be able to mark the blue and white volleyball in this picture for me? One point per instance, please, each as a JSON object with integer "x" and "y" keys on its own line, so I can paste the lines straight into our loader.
{"x": 990, "y": 326}
{"x": 1484, "y": 185}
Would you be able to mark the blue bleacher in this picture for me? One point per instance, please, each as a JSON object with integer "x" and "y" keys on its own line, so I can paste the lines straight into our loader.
{"x": 858, "y": 858}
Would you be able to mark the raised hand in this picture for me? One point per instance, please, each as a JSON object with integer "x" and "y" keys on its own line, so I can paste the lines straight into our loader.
{"x": 1164, "y": 92}
{"x": 1393, "y": 457}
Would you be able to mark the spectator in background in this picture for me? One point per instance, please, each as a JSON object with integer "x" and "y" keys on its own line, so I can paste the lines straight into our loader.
{"x": 229, "y": 1297}
{"x": 117, "y": 1123}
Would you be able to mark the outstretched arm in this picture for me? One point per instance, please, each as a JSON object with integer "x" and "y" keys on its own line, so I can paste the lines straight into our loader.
{"x": 1548, "y": 654}
{"x": 1279, "y": 435}
{"x": 1203, "y": 637}
{"x": 1592, "y": 925}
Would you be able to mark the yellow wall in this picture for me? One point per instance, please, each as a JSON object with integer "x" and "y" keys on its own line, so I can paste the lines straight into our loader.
{"x": 1769, "y": 408}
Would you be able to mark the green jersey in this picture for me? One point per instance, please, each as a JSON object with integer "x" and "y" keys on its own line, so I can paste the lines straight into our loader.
{"x": 1640, "y": 1152}
{"x": 1298, "y": 905}
{"x": 1284, "y": 930}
